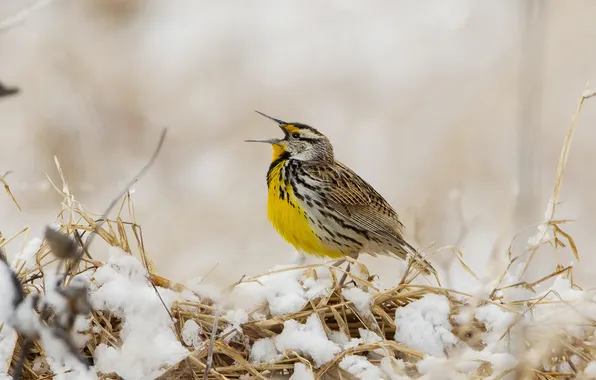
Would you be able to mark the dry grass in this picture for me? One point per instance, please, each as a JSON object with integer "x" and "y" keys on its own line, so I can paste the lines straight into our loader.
{"x": 231, "y": 358}
{"x": 544, "y": 351}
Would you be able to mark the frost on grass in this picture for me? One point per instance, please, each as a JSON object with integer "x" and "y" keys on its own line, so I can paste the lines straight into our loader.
{"x": 149, "y": 344}
{"x": 424, "y": 325}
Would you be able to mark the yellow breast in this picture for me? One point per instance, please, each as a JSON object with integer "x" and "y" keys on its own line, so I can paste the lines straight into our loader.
{"x": 290, "y": 219}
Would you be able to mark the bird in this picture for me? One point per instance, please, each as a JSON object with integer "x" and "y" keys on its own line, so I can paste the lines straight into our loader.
{"x": 323, "y": 208}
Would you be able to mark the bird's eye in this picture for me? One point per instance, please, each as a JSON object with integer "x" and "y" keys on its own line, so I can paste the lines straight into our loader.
{"x": 296, "y": 135}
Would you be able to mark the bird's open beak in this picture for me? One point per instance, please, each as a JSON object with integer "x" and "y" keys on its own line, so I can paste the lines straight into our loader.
{"x": 280, "y": 123}
{"x": 268, "y": 141}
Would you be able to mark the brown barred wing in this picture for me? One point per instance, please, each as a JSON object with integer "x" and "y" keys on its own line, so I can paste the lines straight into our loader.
{"x": 358, "y": 202}
{"x": 361, "y": 205}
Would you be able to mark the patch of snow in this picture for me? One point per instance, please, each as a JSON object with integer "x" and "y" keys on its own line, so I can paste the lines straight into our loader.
{"x": 286, "y": 290}
{"x": 360, "y": 367}
{"x": 393, "y": 368}
{"x": 359, "y": 298}
{"x": 432, "y": 367}
{"x": 339, "y": 337}
{"x": 308, "y": 338}
{"x": 61, "y": 361}
{"x": 190, "y": 333}
{"x": 8, "y": 340}
{"x": 424, "y": 325}
{"x": 204, "y": 290}
{"x": 590, "y": 370}
{"x": 264, "y": 351}
{"x": 497, "y": 321}
{"x": 302, "y": 372}
{"x": 470, "y": 360}
{"x": 122, "y": 289}
{"x": 28, "y": 257}
{"x": 366, "y": 336}
{"x": 569, "y": 309}
{"x": 236, "y": 318}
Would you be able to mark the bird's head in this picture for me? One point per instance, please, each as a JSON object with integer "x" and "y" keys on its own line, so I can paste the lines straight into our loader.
{"x": 300, "y": 142}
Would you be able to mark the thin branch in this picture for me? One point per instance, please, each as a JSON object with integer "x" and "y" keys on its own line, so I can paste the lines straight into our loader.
{"x": 8, "y": 91}
{"x": 20, "y": 16}
{"x": 212, "y": 344}
{"x": 120, "y": 195}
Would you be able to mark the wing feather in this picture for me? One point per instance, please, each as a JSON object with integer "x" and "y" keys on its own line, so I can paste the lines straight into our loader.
{"x": 362, "y": 205}
{"x": 355, "y": 199}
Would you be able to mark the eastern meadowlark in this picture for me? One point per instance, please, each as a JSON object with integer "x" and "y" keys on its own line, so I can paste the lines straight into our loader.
{"x": 322, "y": 207}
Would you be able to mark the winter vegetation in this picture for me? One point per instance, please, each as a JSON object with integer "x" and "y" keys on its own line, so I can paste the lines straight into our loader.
{"x": 112, "y": 70}
{"x": 67, "y": 315}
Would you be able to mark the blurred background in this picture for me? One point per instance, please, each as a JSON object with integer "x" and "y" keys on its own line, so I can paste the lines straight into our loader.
{"x": 456, "y": 112}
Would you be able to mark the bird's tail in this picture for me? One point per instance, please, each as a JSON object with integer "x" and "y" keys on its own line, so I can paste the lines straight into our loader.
{"x": 418, "y": 261}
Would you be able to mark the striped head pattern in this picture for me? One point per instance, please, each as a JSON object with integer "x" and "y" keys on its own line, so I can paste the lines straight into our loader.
{"x": 300, "y": 142}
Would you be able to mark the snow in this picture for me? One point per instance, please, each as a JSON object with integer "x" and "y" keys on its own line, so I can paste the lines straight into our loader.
{"x": 28, "y": 256}
{"x": 190, "y": 333}
{"x": 393, "y": 368}
{"x": 309, "y": 339}
{"x": 285, "y": 289}
{"x": 569, "y": 309}
{"x": 590, "y": 370}
{"x": 122, "y": 289}
{"x": 8, "y": 339}
{"x": 359, "y": 298}
{"x": 496, "y": 320}
{"x": 264, "y": 351}
{"x": 424, "y": 325}
{"x": 360, "y": 367}
{"x": 236, "y": 318}
{"x": 302, "y": 372}
{"x": 204, "y": 290}
{"x": 61, "y": 361}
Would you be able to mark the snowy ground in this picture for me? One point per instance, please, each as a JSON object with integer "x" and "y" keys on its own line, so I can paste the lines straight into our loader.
{"x": 427, "y": 326}
{"x": 415, "y": 76}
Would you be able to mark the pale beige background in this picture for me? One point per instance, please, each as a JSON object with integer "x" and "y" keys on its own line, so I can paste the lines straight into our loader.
{"x": 421, "y": 98}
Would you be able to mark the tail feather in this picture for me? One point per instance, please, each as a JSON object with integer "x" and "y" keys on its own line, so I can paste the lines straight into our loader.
{"x": 405, "y": 251}
{"x": 419, "y": 262}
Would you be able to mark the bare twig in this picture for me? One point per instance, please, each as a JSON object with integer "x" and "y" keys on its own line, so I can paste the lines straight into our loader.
{"x": 122, "y": 193}
{"x": 212, "y": 344}
{"x": 19, "y": 17}
{"x": 8, "y": 91}
{"x": 6, "y": 187}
